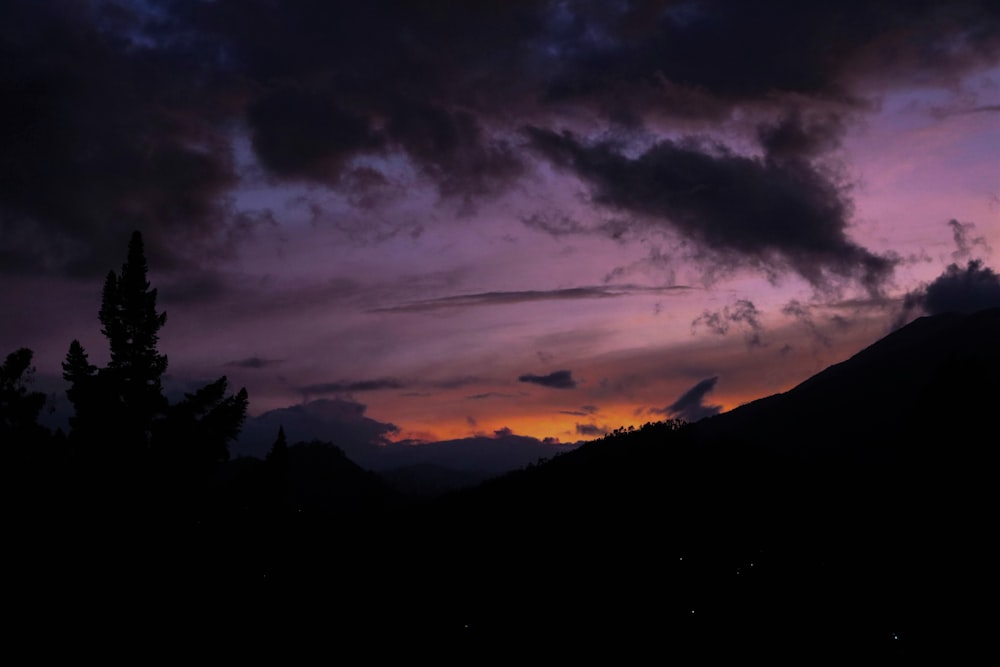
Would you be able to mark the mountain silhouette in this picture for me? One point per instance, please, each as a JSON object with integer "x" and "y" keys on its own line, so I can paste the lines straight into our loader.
{"x": 937, "y": 376}
{"x": 848, "y": 513}
{"x": 851, "y": 515}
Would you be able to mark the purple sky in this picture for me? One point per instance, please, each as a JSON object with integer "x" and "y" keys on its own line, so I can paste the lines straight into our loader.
{"x": 454, "y": 218}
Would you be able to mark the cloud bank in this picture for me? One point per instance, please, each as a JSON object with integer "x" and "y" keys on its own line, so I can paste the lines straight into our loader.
{"x": 119, "y": 115}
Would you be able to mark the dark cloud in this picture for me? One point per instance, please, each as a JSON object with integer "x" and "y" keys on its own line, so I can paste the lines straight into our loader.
{"x": 795, "y": 135}
{"x": 965, "y": 243}
{"x": 381, "y": 384}
{"x": 959, "y": 289}
{"x": 351, "y": 386}
{"x": 590, "y": 430}
{"x": 307, "y": 133}
{"x": 772, "y": 213}
{"x": 452, "y": 149}
{"x": 342, "y": 422}
{"x": 489, "y": 394}
{"x": 254, "y": 363}
{"x": 119, "y": 115}
{"x": 743, "y": 313}
{"x": 691, "y": 405}
{"x": 505, "y": 298}
{"x": 102, "y": 133}
{"x": 556, "y": 380}
{"x": 584, "y": 411}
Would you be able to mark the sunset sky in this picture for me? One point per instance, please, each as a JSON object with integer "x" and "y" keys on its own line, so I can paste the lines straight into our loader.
{"x": 448, "y": 219}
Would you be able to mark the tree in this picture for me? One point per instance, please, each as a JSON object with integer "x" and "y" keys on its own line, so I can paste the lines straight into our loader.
{"x": 279, "y": 450}
{"x": 197, "y": 431}
{"x": 19, "y": 406}
{"x": 82, "y": 393}
{"x": 121, "y": 410}
{"x": 277, "y": 461}
{"x": 131, "y": 324}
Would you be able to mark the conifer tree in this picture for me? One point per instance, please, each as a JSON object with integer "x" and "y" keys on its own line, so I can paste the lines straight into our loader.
{"x": 277, "y": 461}
{"x": 82, "y": 393}
{"x": 121, "y": 409}
{"x": 19, "y": 406}
{"x": 131, "y": 324}
{"x": 279, "y": 450}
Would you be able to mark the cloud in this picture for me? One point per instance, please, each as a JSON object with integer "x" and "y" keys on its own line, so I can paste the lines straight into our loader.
{"x": 590, "y": 430}
{"x": 800, "y": 312}
{"x": 101, "y": 136}
{"x": 366, "y": 440}
{"x": 555, "y": 380}
{"x": 302, "y": 132}
{"x": 489, "y": 394}
{"x": 584, "y": 411}
{"x": 527, "y": 296}
{"x": 742, "y": 313}
{"x": 381, "y": 384}
{"x": 691, "y": 405}
{"x": 254, "y": 363}
{"x": 122, "y": 115}
{"x": 771, "y": 213}
{"x": 959, "y": 289}
{"x": 339, "y": 421}
{"x": 965, "y": 243}
{"x": 796, "y": 136}
{"x": 350, "y": 386}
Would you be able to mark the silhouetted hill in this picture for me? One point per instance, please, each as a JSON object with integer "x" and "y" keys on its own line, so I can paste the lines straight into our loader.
{"x": 430, "y": 479}
{"x": 364, "y": 441}
{"x": 315, "y": 477}
{"x": 848, "y": 517}
{"x": 937, "y": 377}
{"x": 849, "y": 513}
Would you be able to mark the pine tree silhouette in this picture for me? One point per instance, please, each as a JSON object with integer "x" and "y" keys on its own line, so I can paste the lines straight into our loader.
{"x": 131, "y": 324}
{"x": 19, "y": 406}
{"x": 122, "y": 418}
{"x": 82, "y": 393}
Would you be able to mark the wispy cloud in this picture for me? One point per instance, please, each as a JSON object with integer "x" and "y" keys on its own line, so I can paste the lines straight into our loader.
{"x": 526, "y": 296}
{"x": 254, "y": 363}
{"x": 743, "y": 313}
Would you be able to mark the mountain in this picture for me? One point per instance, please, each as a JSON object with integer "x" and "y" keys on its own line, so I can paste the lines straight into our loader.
{"x": 420, "y": 468}
{"x": 850, "y": 515}
{"x": 936, "y": 378}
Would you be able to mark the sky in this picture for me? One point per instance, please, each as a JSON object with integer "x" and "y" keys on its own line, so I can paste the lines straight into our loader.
{"x": 462, "y": 221}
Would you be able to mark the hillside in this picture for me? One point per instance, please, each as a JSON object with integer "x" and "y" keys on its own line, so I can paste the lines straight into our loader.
{"x": 849, "y": 514}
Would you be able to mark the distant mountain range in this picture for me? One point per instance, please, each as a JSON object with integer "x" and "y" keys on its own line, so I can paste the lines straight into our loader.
{"x": 419, "y": 468}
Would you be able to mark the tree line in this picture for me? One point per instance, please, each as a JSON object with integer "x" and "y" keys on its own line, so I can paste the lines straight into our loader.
{"x": 124, "y": 430}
